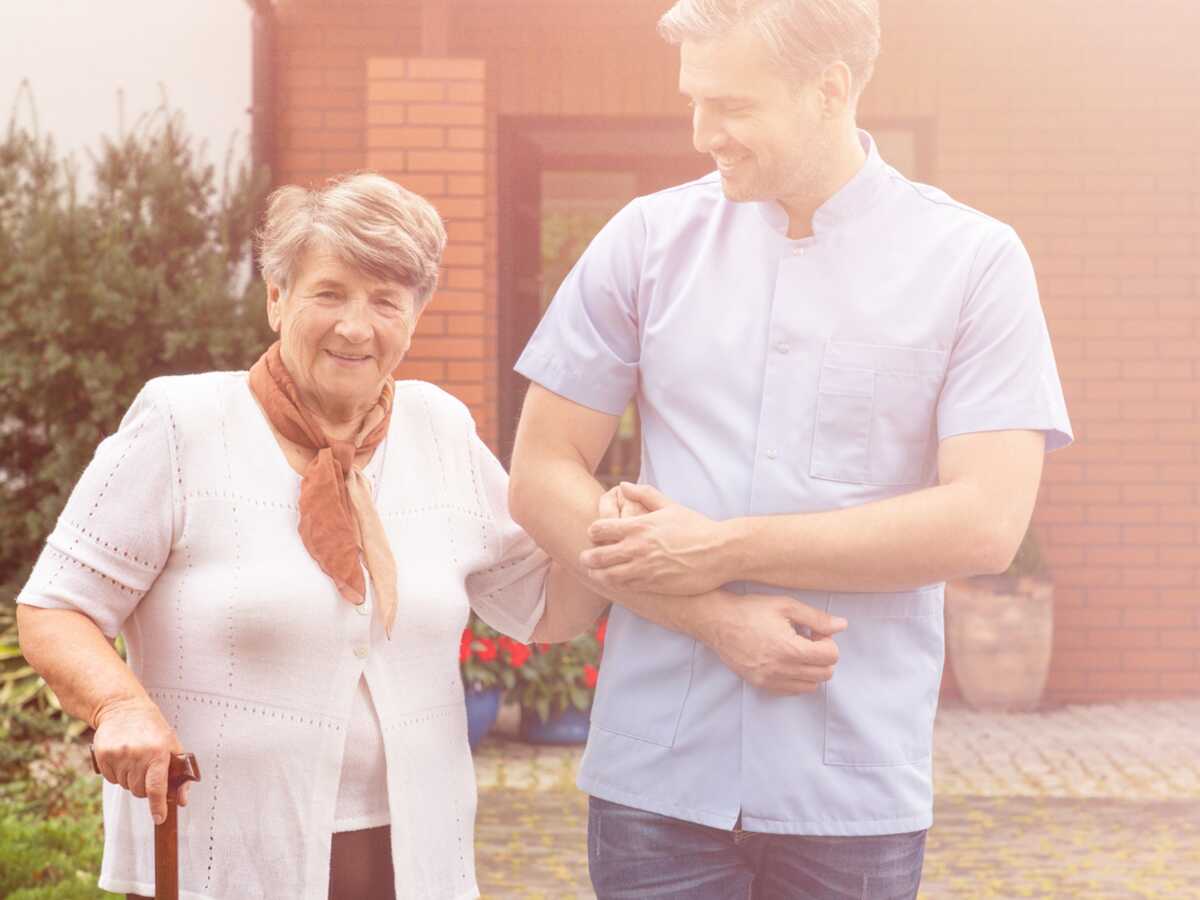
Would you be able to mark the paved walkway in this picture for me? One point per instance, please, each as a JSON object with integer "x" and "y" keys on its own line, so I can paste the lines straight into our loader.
{"x": 1078, "y": 802}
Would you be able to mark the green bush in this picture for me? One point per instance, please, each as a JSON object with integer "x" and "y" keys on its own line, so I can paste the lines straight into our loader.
{"x": 147, "y": 273}
{"x": 51, "y": 831}
{"x": 24, "y": 693}
{"x": 51, "y": 859}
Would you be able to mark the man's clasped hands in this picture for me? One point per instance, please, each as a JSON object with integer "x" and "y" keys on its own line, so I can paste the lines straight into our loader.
{"x": 645, "y": 542}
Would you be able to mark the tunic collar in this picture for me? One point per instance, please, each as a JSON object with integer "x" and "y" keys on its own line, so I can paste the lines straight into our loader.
{"x": 851, "y": 200}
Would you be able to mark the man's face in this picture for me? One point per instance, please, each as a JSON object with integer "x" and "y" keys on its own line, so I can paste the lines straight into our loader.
{"x": 766, "y": 133}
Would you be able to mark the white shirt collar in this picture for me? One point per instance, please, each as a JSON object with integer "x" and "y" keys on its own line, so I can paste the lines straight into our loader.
{"x": 851, "y": 200}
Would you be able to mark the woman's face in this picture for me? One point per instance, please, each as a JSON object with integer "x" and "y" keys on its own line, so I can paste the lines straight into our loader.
{"x": 341, "y": 332}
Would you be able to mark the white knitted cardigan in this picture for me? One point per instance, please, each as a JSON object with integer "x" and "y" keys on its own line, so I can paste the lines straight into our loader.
{"x": 181, "y": 535}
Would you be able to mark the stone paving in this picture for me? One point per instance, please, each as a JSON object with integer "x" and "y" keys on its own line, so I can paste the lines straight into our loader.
{"x": 1076, "y": 802}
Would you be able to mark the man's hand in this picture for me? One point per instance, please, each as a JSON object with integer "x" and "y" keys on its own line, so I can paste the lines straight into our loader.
{"x": 654, "y": 544}
{"x": 613, "y": 504}
{"x": 755, "y": 636}
{"x": 133, "y": 746}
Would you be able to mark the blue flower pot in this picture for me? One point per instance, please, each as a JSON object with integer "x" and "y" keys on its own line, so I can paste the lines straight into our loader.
{"x": 482, "y": 708}
{"x": 567, "y": 727}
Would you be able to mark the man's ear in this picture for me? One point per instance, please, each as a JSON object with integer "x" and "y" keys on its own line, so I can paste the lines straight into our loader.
{"x": 275, "y": 295}
{"x": 835, "y": 85}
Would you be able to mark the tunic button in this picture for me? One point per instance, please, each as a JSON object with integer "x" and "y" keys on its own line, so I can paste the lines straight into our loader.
{"x": 771, "y": 454}
{"x": 798, "y": 251}
{"x": 782, "y": 347}
{"x": 360, "y": 652}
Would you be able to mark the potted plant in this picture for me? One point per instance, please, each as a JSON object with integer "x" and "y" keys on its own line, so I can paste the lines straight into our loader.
{"x": 1000, "y": 631}
{"x": 556, "y": 686}
{"x": 488, "y": 662}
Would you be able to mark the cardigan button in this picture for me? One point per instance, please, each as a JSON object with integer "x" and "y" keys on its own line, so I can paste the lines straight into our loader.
{"x": 361, "y": 652}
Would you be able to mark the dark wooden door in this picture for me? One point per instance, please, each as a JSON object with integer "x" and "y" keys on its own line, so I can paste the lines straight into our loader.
{"x": 655, "y": 154}
{"x": 520, "y": 166}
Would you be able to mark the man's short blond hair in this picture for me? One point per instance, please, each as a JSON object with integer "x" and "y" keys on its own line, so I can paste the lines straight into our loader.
{"x": 367, "y": 220}
{"x": 802, "y": 37}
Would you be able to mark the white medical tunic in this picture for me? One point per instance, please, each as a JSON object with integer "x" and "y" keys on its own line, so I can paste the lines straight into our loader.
{"x": 793, "y": 376}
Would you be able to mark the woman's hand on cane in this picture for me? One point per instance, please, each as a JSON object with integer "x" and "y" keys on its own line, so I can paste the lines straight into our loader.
{"x": 133, "y": 747}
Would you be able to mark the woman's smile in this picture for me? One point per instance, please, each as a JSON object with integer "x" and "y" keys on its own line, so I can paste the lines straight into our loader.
{"x": 350, "y": 360}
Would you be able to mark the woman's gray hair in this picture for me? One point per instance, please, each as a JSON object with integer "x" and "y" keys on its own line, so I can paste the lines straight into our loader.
{"x": 367, "y": 220}
{"x": 801, "y": 36}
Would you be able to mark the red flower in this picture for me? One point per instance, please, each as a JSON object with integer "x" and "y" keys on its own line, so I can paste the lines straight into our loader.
{"x": 601, "y": 630}
{"x": 488, "y": 649}
{"x": 590, "y": 675}
{"x": 518, "y": 654}
{"x": 464, "y": 646}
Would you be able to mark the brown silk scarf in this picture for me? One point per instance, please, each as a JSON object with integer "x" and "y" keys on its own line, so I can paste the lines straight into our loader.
{"x": 339, "y": 524}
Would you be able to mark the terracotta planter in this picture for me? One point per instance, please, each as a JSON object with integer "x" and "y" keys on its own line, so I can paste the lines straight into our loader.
{"x": 999, "y": 641}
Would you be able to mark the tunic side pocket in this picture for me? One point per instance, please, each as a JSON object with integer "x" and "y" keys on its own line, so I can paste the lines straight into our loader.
{"x": 880, "y": 703}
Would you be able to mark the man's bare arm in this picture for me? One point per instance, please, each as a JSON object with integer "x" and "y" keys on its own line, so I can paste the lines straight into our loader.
{"x": 970, "y": 523}
{"x": 553, "y": 494}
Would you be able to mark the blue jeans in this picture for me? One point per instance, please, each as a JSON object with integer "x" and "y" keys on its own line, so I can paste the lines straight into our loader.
{"x": 637, "y": 855}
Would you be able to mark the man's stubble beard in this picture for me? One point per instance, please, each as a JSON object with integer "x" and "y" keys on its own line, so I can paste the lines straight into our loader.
{"x": 804, "y": 175}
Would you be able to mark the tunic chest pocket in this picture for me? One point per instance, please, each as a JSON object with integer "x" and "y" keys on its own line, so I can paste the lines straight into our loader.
{"x": 876, "y": 413}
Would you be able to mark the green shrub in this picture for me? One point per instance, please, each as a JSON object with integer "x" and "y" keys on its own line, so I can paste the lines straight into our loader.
{"x": 51, "y": 859}
{"x": 24, "y": 696}
{"x": 51, "y": 826}
{"x": 147, "y": 274}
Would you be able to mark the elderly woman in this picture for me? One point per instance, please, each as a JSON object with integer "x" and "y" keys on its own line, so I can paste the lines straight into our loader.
{"x": 290, "y": 554}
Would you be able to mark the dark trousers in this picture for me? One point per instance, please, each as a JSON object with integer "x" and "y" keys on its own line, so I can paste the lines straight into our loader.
{"x": 637, "y": 855}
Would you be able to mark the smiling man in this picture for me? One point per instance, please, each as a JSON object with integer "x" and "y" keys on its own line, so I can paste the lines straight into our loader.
{"x": 846, "y": 389}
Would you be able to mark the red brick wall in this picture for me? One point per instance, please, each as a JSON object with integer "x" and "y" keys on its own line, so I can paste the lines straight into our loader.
{"x": 346, "y": 101}
{"x": 321, "y": 52}
{"x": 1077, "y": 121}
{"x": 572, "y": 57}
{"x": 426, "y": 129}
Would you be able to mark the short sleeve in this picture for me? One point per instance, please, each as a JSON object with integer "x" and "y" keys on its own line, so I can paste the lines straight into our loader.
{"x": 510, "y": 594}
{"x": 115, "y": 534}
{"x": 586, "y": 347}
{"x": 1002, "y": 373}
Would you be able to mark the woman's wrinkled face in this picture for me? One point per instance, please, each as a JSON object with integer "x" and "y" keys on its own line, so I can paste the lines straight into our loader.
{"x": 342, "y": 333}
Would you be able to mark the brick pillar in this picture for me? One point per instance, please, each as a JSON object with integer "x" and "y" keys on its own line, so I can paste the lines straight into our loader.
{"x": 426, "y": 129}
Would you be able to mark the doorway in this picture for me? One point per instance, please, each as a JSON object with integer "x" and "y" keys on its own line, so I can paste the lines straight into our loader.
{"x": 560, "y": 180}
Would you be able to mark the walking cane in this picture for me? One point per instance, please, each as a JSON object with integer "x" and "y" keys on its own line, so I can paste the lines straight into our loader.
{"x": 183, "y": 768}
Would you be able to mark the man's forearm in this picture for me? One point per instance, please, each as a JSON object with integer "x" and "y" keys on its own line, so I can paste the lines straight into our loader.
{"x": 895, "y": 544}
{"x": 556, "y": 506}
{"x": 972, "y": 523}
